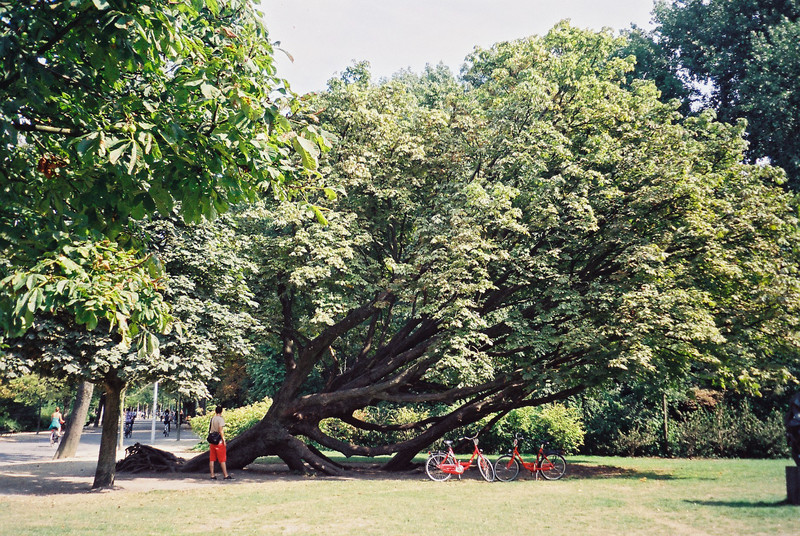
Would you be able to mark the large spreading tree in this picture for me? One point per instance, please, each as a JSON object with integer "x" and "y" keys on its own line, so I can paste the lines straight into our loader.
{"x": 113, "y": 111}
{"x": 539, "y": 226}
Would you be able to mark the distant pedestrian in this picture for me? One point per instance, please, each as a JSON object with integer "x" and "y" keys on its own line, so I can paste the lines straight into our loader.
{"x": 218, "y": 452}
{"x": 167, "y": 419}
{"x": 56, "y": 420}
{"x": 130, "y": 417}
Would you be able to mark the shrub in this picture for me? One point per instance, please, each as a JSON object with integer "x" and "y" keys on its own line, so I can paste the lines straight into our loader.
{"x": 560, "y": 424}
{"x": 636, "y": 441}
{"x": 8, "y": 424}
{"x": 731, "y": 431}
{"x": 237, "y": 420}
{"x": 382, "y": 414}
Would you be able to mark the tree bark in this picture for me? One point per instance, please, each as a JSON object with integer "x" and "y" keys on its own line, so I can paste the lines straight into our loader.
{"x": 107, "y": 459}
{"x": 77, "y": 418}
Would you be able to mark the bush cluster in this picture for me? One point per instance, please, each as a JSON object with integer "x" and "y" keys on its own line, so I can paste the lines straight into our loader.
{"x": 557, "y": 423}
{"x": 623, "y": 425}
{"x": 237, "y": 420}
{"x": 732, "y": 431}
{"x": 729, "y": 429}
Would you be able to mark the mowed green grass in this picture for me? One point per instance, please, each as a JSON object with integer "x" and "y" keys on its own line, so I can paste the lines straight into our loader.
{"x": 598, "y": 496}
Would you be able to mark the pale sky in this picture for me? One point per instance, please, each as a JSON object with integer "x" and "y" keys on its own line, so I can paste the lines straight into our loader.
{"x": 326, "y": 36}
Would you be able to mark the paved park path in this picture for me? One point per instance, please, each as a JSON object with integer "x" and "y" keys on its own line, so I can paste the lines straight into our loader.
{"x": 32, "y": 447}
{"x": 27, "y": 465}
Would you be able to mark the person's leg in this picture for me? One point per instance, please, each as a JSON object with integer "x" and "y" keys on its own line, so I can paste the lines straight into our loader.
{"x": 212, "y": 457}
{"x": 222, "y": 457}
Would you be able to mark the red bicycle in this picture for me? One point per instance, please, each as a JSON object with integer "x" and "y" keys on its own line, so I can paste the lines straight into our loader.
{"x": 441, "y": 465}
{"x": 550, "y": 465}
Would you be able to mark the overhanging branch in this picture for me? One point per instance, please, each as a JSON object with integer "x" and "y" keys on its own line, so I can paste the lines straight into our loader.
{"x": 47, "y": 129}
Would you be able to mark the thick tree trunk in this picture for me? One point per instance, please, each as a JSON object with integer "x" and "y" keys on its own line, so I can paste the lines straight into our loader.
{"x": 77, "y": 418}
{"x": 106, "y": 461}
{"x": 267, "y": 438}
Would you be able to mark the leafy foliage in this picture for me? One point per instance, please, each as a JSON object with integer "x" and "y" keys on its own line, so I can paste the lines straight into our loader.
{"x": 506, "y": 240}
{"x": 114, "y": 111}
{"x": 739, "y": 58}
{"x": 83, "y": 284}
{"x": 236, "y": 420}
{"x": 561, "y": 425}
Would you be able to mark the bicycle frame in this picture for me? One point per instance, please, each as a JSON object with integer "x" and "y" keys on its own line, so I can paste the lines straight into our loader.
{"x": 550, "y": 467}
{"x": 541, "y": 463}
{"x": 454, "y": 466}
{"x": 441, "y": 465}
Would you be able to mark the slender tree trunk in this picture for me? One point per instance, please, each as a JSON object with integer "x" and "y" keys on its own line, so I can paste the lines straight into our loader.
{"x": 100, "y": 406}
{"x": 77, "y": 418}
{"x": 38, "y": 416}
{"x": 107, "y": 460}
{"x": 666, "y": 424}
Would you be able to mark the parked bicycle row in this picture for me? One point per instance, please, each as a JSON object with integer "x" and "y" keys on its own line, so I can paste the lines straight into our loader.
{"x": 549, "y": 464}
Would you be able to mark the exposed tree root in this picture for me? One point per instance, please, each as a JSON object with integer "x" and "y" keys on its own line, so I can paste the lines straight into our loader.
{"x": 140, "y": 458}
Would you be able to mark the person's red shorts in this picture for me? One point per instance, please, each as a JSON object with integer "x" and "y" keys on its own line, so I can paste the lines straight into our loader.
{"x": 217, "y": 453}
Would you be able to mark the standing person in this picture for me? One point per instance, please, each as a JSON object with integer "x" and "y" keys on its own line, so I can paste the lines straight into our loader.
{"x": 167, "y": 428}
{"x": 218, "y": 452}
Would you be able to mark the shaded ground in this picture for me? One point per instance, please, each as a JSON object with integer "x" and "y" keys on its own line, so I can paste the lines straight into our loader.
{"x": 61, "y": 477}
{"x": 26, "y": 467}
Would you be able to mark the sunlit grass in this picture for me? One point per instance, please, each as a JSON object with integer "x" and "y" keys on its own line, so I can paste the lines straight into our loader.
{"x": 598, "y": 496}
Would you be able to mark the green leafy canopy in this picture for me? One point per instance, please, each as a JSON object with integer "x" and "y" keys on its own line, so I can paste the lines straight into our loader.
{"x": 113, "y": 111}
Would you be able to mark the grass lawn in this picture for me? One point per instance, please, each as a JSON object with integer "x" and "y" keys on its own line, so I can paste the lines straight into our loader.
{"x": 598, "y": 496}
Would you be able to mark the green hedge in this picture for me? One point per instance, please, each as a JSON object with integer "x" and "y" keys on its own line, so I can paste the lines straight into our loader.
{"x": 557, "y": 423}
{"x": 383, "y": 414}
{"x": 237, "y": 420}
{"x": 729, "y": 430}
{"x": 732, "y": 431}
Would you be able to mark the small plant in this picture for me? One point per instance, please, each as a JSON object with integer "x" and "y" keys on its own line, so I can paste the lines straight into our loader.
{"x": 634, "y": 442}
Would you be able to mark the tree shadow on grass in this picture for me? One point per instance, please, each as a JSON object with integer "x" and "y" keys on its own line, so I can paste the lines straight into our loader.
{"x": 373, "y": 471}
{"x": 743, "y": 504}
{"x": 576, "y": 470}
{"x": 64, "y": 477}
{"x": 47, "y": 478}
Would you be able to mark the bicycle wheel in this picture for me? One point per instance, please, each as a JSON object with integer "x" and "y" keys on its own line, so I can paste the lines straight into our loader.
{"x": 486, "y": 469}
{"x": 506, "y": 468}
{"x": 432, "y": 467}
{"x": 554, "y": 466}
